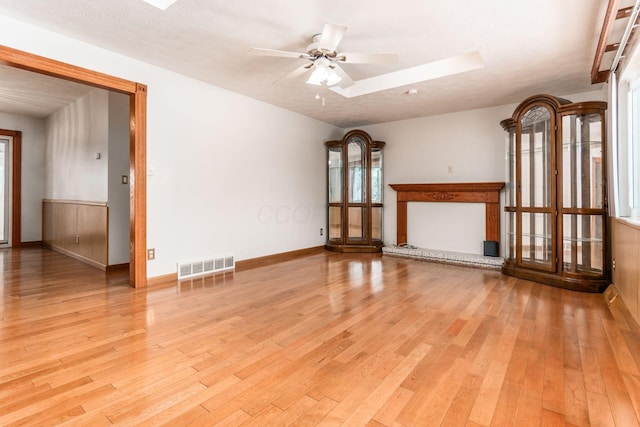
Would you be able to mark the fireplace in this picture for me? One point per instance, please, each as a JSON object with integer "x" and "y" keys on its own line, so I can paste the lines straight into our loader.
{"x": 469, "y": 192}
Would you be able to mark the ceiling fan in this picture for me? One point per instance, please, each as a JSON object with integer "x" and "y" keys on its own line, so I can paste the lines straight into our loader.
{"x": 325, "y": 60}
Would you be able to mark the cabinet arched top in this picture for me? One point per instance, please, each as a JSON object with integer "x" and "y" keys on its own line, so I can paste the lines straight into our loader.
{"x": 555, "y": 104}
{"x": 357, "y": 133}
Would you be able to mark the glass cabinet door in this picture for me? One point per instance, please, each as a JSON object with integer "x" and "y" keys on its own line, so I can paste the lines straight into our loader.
{"x": 335, "y": 174}
{"x": 376, "y": 175}
{"x": 510, "y": 194}
{"x": 536, "y": 163}
{"x": 582, "y": 194}
{"x": 357, "y": 185}
{"x": 376, "y": 193}
{"x": 335, "y": 192}
{"x": 357, "y": 178}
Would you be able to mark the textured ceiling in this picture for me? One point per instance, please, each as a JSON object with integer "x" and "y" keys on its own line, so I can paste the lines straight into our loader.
{"x": 546, "y": 46}
{"x": 37, "y": 95}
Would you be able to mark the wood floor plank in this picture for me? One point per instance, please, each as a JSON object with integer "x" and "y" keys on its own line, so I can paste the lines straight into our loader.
{"x": 462, "y": 404}
{"x": 575, "y": 397}
{"x": 487, "y": 398}
{"x": 357, "y": 397}
{"x": 624, "y": 358}
{"x": 443, "y": 394}
{"x": 190, "y": 409}
{"x": 319, "y": 339}
{"x": 316, "y": 414}
{"x": 632, "y": 383}
{"x": 392, "y": 407}
{"x": 383, "y": 392}
{"x": 507, "y": 405}
{"x": 529, "y": 411}
{"x": 551, "y": 419}
{"x": 599, "y": 410}
{"x": 591, "y": 371}
{"x": 296, "y": 410}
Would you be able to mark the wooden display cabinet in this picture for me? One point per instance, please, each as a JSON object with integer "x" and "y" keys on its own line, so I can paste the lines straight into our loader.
{"x": 354, "y": 177}
{"x": 556, "y": 199}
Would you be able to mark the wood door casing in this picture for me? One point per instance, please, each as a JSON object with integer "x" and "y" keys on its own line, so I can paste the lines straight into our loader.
{"x": 138, "y": 133}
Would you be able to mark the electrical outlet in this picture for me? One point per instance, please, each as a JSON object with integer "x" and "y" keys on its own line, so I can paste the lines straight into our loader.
{"x": 151, "y": 254}
{"x": 449, "y": 169}
{"x": 321, "y": 231}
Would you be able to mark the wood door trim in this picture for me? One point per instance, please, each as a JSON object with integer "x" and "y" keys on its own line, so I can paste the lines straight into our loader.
{"x": 16, "y": 185}
{"x": 137, "y": 147}
{"x": 51, "y": 67}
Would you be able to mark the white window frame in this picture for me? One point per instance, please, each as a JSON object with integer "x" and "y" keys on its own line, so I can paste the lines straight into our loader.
{"x": 628, "y": 138}
{"x": 633, "y": 163}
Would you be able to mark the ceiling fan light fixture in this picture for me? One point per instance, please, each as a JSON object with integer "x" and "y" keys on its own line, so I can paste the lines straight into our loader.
{"x": 332, "y": 77}
{"x": 318, "y": 76}
{"x": 323, "y": 73}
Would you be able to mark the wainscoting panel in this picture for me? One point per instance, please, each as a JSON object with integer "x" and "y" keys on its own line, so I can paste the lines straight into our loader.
{"x": 626, "y": 249}
{"x": 78, "y": 229}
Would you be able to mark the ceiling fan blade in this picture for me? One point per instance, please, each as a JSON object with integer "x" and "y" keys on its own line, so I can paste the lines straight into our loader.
{"x": 345, "y": 81}
{"x": 331, "y": 36}
{"x": 273, "y": 52}
{"x": 295, "y": 73}
{"x": 369, "y": 58}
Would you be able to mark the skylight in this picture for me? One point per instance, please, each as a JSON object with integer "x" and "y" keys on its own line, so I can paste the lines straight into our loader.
{"x": 408, "y": 76}
{"x": 161, "y": 4}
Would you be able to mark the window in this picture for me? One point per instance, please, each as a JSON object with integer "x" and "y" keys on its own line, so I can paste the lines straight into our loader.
{"x": 633, "y": 164}
{"x": 625, "y": 135}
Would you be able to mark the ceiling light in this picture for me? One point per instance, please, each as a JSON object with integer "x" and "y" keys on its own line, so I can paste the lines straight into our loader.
{"x": 332, "y": 77}
{"x": 318, "y": 76}
{"x": 412, "y": 92}
{"x": 323, "y": 73}
{"x": 161, "y": 4}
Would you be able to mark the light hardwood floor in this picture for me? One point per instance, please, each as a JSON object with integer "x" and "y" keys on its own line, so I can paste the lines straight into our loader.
{"x": 323, "y": 339}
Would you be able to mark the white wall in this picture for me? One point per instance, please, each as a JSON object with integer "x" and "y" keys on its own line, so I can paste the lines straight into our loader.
{"x": 231, "y": 174}
{"x": 33, "y": 135}
{"x": 97, "y": 123}
{"x": 421, "y": 151}
{"x": 118, "y": 165}
{"x": 75, "y": 135}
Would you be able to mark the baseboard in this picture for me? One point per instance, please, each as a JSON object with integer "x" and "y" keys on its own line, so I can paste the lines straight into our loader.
{"x": 34, "y": 244}
{"x": 75, "y": 256}
{"x": 611, "y": 294}
{"x": 167, "y": 279}
{"x": 248, "y": 264}
{"x": 117, "y": 267}
{"x": 616, "y": 303}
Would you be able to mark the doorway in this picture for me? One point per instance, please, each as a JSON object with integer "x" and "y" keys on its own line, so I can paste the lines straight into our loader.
{"x": 11, "y": 141}
{"x": 5, "y": 189}
{"x": 137, "y": 93}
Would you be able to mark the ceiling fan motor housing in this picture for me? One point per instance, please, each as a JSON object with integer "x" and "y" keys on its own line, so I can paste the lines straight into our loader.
{"x": 315, "y": 51}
